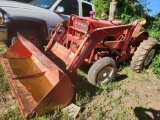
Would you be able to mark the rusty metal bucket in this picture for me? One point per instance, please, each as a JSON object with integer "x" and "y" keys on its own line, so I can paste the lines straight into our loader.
{"x": 37, "y": 83}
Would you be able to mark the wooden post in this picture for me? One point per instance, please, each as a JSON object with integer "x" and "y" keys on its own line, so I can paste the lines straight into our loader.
{"x": 112, "y": 10}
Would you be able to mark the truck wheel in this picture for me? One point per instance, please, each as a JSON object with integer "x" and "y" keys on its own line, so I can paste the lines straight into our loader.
{"x": 102, "y": 71}
{"x": 14, "y": 39}
{"x": 31, "y": 35}
{"x": 143, "y": 55}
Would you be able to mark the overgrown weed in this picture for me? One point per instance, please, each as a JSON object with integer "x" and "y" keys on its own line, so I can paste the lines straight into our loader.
{"x": 4, "y": 85}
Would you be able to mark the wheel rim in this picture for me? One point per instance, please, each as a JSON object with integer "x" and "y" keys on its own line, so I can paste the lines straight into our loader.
{"x": 149, "y": 57}
{"x": 104, "y": 75}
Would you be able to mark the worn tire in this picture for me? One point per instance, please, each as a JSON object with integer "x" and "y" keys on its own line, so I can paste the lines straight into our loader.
{"x": 102, "y": 71}
{"x": 31, "y": 35}
{"x": 144, "y": 54}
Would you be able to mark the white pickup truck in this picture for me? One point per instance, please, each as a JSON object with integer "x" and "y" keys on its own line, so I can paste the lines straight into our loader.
{"x": 36, "y": 19}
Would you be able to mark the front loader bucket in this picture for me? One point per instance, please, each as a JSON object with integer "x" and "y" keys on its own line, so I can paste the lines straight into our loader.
{"x": 37, "y": 83}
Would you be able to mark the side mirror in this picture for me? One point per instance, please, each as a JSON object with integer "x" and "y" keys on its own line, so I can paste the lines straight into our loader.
{"x": 59, "y": 10}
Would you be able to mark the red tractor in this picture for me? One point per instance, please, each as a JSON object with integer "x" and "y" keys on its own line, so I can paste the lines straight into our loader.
{"x": 40, "y": 85}
{"x": 103, "y": 43}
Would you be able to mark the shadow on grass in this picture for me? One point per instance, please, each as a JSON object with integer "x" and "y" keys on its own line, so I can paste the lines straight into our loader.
{"x": 120, "y": 77}
{"x": 141, "y": 113}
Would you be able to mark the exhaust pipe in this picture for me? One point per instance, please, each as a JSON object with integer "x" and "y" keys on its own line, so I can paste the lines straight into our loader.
{"x": 112, "y": 10}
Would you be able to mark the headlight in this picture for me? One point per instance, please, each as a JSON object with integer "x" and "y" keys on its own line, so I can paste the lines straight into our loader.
{"x": 1, "y": 18}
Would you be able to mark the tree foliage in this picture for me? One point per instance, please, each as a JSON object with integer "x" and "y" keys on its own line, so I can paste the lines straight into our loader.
{"x": 127, "y": 10}
{"x": 154, "y": 27}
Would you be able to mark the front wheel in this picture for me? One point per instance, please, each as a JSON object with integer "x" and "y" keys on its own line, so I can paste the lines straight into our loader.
{"x": 102, "y": 71}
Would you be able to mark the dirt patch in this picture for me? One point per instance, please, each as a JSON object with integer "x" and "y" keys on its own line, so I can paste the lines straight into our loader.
{"x": 142, "y": 92}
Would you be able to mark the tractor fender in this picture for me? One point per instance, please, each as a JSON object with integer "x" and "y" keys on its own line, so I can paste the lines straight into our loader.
{"x": 141, "y": 36}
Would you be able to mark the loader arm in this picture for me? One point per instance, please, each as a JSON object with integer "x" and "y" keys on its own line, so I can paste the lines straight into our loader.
{"x": 88, "y": 43}
{"x": 91, "y": 43}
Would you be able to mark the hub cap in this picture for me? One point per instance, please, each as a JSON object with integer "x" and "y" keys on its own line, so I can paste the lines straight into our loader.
{"x": 104, "y": 74}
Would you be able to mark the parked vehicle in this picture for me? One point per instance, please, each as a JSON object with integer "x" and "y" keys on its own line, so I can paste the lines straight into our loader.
{"x": 36, "y": 20}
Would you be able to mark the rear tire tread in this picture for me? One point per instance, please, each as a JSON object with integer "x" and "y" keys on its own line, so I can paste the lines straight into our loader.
{"x": 141, "y": 53}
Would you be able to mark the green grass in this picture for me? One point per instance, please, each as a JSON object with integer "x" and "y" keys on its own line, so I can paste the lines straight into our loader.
{"x": 12, "y": 115}
{"x": 155, "y": 66}
{"x": 4, "y": 85}
{"x": 3, "y": 48}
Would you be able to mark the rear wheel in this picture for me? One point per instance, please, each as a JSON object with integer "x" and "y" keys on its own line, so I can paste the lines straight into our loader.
{"x": 102, "y": 71}
{"x": 143, "y": 55}
{"x": 31, "y": 35}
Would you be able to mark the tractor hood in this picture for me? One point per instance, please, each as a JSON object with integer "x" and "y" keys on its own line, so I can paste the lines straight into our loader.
{"x": 20, "y": 6}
